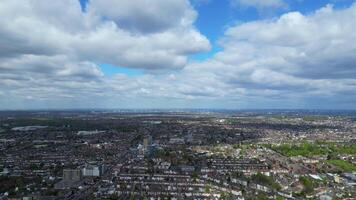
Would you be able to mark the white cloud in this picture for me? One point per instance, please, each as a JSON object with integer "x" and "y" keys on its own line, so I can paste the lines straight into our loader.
{"x": 259, "y": 4}
{"x": 36, "y": 27}
{"x": 146, "y": 16}
{"x": 48, "y": 55}
{"x": 312, "y": 46}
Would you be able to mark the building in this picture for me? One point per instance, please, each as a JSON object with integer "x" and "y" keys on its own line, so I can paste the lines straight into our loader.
{"x": 147, "y": 141}
{"x": 187, "y": 168}
{"x": 337, "y": 179}
{"x": 93, "y": 171}
{"x": 72, "y": 175}
{"x": 176, "y": 140}
{"x": 71, "y": 179}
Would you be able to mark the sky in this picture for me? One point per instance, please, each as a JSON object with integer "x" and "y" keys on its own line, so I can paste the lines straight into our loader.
{"x": 219, "y": 54}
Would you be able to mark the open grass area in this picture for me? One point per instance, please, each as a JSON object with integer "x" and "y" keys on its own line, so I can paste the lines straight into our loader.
{"x": 311, "y": 149}
{"x": 343, "y": 165}
{"x": 304, "y": 149}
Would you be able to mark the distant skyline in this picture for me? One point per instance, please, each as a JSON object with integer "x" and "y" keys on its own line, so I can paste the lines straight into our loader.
{"x": 218, "y": 54}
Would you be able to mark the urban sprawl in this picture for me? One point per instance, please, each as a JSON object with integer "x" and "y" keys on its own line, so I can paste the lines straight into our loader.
{"x": 161, "y": 155}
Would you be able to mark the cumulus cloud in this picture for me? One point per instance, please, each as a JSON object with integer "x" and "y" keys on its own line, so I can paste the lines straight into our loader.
{"x": 146, "y": 16}
{"x": 259, "y": 4}
{"x": 292, "y": 58}
{"x": 307, "y": 46}
{"x": 36, "y": 27}
{"x": 48, "y": 56}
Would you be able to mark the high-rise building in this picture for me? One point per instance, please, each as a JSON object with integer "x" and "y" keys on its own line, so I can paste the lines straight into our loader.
{"x": 147, "y": 141}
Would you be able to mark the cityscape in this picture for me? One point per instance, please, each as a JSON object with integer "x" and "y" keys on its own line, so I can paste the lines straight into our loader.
{"x": 177, "y": 155}
{"x": 177, "y": 99}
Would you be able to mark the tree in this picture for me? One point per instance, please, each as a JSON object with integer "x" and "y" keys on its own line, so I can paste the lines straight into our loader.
{"x": 207, "y": 188}
{"x": 307, "y": 184}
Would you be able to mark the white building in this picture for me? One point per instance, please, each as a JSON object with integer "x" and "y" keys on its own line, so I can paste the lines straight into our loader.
{"x": 91, "y": 171}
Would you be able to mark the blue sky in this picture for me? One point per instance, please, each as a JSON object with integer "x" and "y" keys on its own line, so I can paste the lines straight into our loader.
{"x": 215, "y": 16}
{"x": 231, "y": 54}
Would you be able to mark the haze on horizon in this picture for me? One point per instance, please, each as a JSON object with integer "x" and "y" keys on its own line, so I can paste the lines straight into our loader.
{"x": 231, "y": 54}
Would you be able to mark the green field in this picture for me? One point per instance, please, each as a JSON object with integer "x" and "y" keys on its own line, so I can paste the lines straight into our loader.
{"x": 311, "y": 149}
{"x": 343, "y": 165}
{"x": 304, "y": 149}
